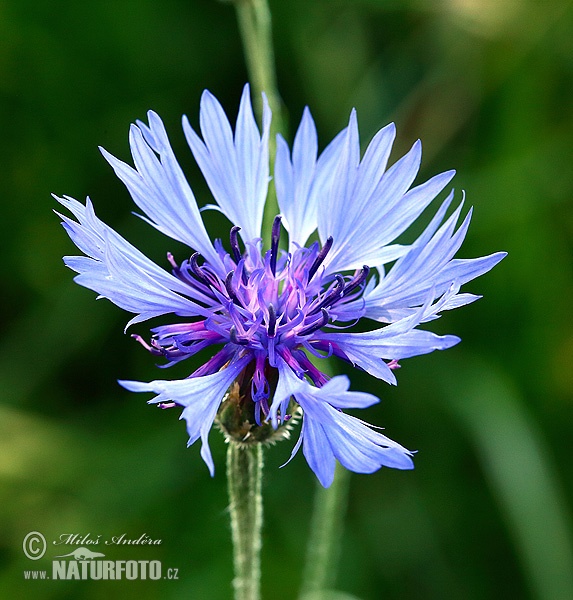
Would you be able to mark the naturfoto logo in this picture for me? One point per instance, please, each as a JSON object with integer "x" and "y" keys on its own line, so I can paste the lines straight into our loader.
{"x": 84, "y": 563}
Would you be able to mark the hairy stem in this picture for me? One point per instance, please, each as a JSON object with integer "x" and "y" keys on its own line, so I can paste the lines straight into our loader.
{"x": 244, "y": 474}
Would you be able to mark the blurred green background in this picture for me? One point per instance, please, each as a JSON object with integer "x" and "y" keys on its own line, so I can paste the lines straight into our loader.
{"x": 487, "y": 86}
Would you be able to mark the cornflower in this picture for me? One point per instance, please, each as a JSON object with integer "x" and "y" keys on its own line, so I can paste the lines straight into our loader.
{"x": 271, "y": 314}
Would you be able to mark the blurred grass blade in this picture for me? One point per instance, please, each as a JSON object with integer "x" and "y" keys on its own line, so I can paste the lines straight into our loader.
{"x": 329, "y": 595}
{"x": 520, "y": 472}
{"x": 325, "y": 537}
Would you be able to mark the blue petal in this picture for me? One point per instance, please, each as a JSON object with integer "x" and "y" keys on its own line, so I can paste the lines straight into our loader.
{"x": 399, "y": 340}
{"x": 158, "y": 186}
{"x": 118, "y": 271}
{"x": 428, "y": 264}
{"x": 201, "y": 397}
{"x": 337, "y": 210}
{"x": 368, "y": 208}
{"x": 340, "y": 397}
{"x": 359, "y": 448}
{"x": 373, "y": 164}
{"x": 317, "y": 451}
{"x": 328, "y": 434}
{"x": 411, "y": 205}
{"x": 236, "y": 169}
{"x": 303, "y": 183}
{"x": 287, "y": 384}
{"x": 294, "y": 180}
{"x": 336, "y": 388}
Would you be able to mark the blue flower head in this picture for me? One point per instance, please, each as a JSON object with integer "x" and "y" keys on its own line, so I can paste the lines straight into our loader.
{"x": 266, "y": 311}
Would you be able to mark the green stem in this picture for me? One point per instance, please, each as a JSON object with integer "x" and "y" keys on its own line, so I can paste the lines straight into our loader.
{"x": 325, "y": 537}
{"x": 244, "y": 474}
{"x": 255, "y": 26}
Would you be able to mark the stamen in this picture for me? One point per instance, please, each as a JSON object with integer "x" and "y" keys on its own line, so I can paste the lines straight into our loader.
{"x": 166, "y": 405}
{"x": 197, "y": 270}
{"x": 236, "y": 252}
{"x": 317, "y": 324}
{"x": 172, "y": 261}
{"x": 316, "y": 352}
{"x": 332, "y": 296}
{"x": 153, "y": 348}
{"x": 320, "y": 258}
{"x": 275, "y": 236}
{"x": 272, "y": 321}
{"x": 258, "y": 413}
{"x": 241, "y": 267}
{"x": 214, "y": 364}
{"x": 317, "y": 377}
{"x": 261, "y": 308}
{"x": 292, "y": 362}
{"x": 358, "y": 279}
{"x": 229, "y": 287}
{"x": 234, "y": 338}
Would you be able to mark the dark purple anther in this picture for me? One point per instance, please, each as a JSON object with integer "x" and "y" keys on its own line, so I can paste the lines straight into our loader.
{"x": 275, "y": 236}
{"x": 229, "y": 287}
{"x": 317, "y": 324}
{"x": 196, "y": 269}
{"x": 233, "y": 335}
{"x": 271, "y": 328}
{"x": 235, "y": 339}
{"x": 332, "y": 296}
{"x": 320, "y": 257}
{"x": 236, "y": 252}
{"x": 358, "y": 279}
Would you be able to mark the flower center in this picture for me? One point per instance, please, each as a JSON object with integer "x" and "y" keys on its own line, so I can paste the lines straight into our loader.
{"x": 265, "y": 304}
